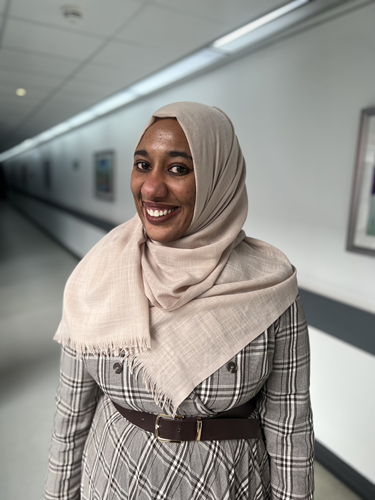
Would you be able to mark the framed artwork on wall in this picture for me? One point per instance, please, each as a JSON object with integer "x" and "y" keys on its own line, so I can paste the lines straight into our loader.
{"x": 361, "y": 233}
{"x": 104, "y": 173}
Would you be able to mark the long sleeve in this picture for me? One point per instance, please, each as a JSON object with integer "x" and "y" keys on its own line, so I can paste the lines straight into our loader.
{"x": 76, "y": 399}
{"x": 285, "y": 410}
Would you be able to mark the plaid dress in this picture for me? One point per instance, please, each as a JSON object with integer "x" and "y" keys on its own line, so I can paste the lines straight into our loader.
{"x": 96, "y": 454}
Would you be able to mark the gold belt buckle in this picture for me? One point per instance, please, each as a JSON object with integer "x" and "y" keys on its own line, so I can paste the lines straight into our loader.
{"x": 163, "y": 440}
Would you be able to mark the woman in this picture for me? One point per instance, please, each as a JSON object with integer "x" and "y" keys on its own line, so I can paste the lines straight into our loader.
{"x": 177, "y": 312}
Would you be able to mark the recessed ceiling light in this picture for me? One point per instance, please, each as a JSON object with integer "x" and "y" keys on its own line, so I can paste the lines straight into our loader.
{"x": 21, "y": 92}
{"x": 72, "y": 13}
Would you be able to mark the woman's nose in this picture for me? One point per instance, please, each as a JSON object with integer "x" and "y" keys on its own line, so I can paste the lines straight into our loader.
{"x": 154, "y": 186}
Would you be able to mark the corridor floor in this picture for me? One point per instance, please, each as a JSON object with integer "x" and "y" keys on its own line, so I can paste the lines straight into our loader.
{"x": 33, "y": 271}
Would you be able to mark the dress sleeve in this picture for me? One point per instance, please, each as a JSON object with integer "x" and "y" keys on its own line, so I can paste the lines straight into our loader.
{"x": 285, "y": 410}
{"x": 76, "y": 400}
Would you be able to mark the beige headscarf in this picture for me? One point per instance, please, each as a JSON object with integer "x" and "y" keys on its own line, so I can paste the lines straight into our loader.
{"x": 181, "y": 310}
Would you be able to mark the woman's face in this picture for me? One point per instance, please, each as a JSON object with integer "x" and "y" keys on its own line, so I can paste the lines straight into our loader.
{"x": 163, "y": 181}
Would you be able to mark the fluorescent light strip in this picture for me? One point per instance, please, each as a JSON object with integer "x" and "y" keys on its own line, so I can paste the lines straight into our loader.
{"x": 176, "y": 71}
{"x": 222, "y": 42}
{"x": 113, "y": 102}
{"x": 187, "y": 66}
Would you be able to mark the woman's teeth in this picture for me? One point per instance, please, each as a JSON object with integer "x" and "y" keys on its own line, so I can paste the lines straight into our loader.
{"x": 159, "y": 213}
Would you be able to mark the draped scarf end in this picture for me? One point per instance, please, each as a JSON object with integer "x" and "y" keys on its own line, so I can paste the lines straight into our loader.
{"x": 160, "y": 397}
{"x": 105, "y": 348}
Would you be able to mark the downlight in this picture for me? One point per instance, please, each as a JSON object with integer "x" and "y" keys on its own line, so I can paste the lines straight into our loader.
{"x": 72, "y": 13}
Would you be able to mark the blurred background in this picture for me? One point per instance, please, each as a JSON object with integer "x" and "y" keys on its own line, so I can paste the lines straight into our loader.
{"x": 78, "y": 83}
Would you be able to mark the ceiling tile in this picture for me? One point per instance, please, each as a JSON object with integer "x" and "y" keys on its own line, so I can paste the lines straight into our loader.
{"x": 36, "y": 63}
{"x": 33, "y": 96}
{"x": 6, "y": 127}
{"x": 28, "y": 81}
{"x": 163, "y": 28}
{"x": 234, "y": 13}
{"x": 7, "y": 107}
{"x": 128, "y": 56}
{"x": 12, "y": 115}
{"x": 46, "y": 40}
{"x": 102, "y": 74}
{"x": 81, "y": 93}
{"x": 108, "y": 78}
{"x": 46, "y": 117}
{"x": 99, "y": 17}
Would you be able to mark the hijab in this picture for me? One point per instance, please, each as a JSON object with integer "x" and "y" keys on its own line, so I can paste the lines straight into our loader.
{"x": 180, "y": 310}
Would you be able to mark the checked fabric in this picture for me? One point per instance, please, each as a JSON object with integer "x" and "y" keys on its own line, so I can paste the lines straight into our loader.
{"x": 96, "y": 454}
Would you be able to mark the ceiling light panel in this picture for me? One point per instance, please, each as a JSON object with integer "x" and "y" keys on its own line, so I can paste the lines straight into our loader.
{"x": 113, "y": 102}
{"x": 176, "y": 71}
{"x": 233, "y": 13}
{"x": 251, "y": 32}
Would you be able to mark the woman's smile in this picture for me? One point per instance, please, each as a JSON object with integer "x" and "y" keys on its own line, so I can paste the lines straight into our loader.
{"x": 163, "y": 181}
{"x": 157, "y": 213}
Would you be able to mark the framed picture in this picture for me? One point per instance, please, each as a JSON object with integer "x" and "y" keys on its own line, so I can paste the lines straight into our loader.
{"x": 104, "y": 173}
{"x": 361, "y": 233}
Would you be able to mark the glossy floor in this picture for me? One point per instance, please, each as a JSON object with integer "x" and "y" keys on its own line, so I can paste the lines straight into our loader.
{"x": 33, "y": 271}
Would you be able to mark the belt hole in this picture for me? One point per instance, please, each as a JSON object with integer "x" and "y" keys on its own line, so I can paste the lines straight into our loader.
{"x": 178, "y": 430}
{"x": 142, "y": 419}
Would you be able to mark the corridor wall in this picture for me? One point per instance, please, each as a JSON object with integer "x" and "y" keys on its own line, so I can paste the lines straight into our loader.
{"x": 295, "y": 106}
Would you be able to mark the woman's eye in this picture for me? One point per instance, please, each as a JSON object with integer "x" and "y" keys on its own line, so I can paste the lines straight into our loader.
{"x": 141, "y": 165}
{"x": 179, "y": 169}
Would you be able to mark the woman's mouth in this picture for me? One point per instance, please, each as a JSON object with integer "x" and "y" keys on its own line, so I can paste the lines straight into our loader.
{"x": 160, "y": 214}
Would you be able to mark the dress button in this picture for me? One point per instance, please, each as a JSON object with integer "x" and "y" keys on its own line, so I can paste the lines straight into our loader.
{"x": 232, "y": 367}
{"x": 117, "y": 367}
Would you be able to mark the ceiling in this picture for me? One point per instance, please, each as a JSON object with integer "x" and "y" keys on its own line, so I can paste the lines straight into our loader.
{"x": 67, "y": 67}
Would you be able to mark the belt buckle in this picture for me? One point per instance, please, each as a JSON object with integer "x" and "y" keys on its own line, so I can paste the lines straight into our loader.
{"x": 163, "y": 440}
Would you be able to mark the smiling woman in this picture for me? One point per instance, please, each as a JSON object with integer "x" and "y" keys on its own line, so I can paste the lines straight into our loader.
{"x": 163, "y": 182}
{"x": 185, "y": 359}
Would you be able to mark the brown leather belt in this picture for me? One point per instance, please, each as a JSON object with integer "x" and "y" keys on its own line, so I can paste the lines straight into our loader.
{"x": 231, "y": 424}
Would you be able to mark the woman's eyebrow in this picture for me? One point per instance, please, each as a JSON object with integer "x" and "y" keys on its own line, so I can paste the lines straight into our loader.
{"x": 174, "y": 154}
{"x": 141, "y": 152}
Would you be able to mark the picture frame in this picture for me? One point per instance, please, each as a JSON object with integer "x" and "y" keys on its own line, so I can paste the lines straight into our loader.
{"x": 361, "y": 230}
{"x": 104, "y": 166}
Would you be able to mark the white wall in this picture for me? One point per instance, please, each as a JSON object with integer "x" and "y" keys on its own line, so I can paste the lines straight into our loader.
{"x": 342, "y": 395}
{"x": 295, "y": 106}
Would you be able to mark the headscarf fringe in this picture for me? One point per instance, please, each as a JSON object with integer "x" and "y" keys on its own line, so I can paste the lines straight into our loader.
{"x": 160, "y": 398}
{"x": 130, "y": 354}
{"x": 134, "y": 347}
